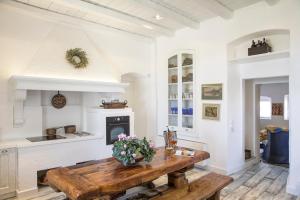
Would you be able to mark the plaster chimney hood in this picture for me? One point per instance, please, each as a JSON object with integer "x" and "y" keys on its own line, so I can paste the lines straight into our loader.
{"x": 20, "y": 84}
{"x": 42, "y": 83}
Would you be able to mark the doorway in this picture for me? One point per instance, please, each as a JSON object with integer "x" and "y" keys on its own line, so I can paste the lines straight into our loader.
{"x": 266, "y": 120}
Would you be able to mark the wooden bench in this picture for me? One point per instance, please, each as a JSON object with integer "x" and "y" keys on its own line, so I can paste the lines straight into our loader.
{"x": 207, "y": 187}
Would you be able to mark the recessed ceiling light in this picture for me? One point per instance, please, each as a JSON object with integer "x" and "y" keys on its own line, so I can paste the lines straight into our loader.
{"x": 158, "y": 17}
{"x": 148, "y": 27}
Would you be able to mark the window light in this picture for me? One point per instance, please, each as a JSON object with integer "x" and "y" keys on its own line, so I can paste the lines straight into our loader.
{"x": 265, "y": 107}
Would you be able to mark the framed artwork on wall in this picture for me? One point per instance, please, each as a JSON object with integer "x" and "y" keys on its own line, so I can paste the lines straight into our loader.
{"x": 212, "y": 91}
{"x": 211, "y": 111}
{"x": 277, "y": 109}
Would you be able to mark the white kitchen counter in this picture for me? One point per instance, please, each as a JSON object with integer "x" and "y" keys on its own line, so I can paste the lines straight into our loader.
{"x": 35, "y": 156}
{"x": 23, "y": 143}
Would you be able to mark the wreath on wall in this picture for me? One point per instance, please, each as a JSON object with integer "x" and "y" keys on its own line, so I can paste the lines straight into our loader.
{"x": 77, "y": 57}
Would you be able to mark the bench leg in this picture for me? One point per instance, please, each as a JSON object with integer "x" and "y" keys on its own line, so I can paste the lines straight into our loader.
{"x": 111, "y": 196}
{"x": 216, "y": 196}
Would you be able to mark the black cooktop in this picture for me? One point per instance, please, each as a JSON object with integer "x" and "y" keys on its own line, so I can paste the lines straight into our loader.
{"x": 45, "y": 138}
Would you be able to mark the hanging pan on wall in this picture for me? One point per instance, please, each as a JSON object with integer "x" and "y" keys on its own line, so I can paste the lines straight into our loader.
{"x": 58, "y": 101}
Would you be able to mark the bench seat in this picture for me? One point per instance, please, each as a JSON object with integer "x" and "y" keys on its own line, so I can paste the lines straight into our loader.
{"x": 206, "y": 187}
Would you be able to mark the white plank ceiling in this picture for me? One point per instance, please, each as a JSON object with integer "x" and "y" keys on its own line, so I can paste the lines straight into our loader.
{"x": 150, "y": 18}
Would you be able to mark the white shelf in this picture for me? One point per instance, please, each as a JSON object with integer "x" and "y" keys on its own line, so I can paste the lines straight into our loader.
{"x": 173, "y": 99}
{"x": 187, "y": 116}
{"x": 173, "y": 115}
{"x": 187, "y": 129}
{"x": 187, "y": 66}
{"x": 173, "y": 83}
{"x": 261, "y": 57}
{"x": 188, "y": 82}
{"x": 173, "y": 68}
{"x": 172, "y": 128}
{"x": 187, "y": 99}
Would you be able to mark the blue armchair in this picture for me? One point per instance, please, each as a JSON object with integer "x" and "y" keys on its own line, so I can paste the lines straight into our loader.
{"x": 276, "y": 150}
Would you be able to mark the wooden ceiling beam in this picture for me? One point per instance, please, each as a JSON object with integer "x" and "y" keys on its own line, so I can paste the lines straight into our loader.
{"x": 272, "y": 2}
{"x": 217, "y": 8}
{"x": 99, "y": 10}
{"x": 166, "y": 12}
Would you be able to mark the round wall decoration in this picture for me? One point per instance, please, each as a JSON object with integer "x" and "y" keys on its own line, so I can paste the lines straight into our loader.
{"x": 58, "y": 101}
{"x": 77, "y": 57}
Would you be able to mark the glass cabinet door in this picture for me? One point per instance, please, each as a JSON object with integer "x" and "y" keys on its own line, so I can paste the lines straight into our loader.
{"x": 181, "y": 92}
{"x": 173, "y": 91}
{"x": 187, "y": 73}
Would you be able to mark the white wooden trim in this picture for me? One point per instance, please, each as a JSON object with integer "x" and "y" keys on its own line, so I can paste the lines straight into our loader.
{"x": 98, "y": 9}
{"x": 217, "y": 8}
{"x": 166, "y": 12}
{"x": 272, "y": 2}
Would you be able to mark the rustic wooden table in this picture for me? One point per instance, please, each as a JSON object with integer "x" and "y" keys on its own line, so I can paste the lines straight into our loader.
{"x": 109, "y": 178}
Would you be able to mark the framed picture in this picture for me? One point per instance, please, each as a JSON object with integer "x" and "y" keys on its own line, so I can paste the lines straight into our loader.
{"x": 211, "y": 111}
{"x": 212, "y": 91}
{"x": 277, "y": 108}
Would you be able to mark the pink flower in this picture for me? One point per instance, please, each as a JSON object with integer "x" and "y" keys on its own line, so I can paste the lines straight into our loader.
{"x": 134, "y": 155}
{"x": 151, "y": 144}
{"x": 131, "y": 137}
{"x": 122, "y": 136}
{"x": 123, "y": 153}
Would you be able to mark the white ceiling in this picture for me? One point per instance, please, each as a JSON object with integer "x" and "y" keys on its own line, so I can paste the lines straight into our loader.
{"x": 139, "y": 16}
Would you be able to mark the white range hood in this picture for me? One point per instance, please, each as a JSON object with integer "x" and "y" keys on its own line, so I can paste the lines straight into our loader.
{"x": 20, "y": 84}
{"x": 42, "y": 83}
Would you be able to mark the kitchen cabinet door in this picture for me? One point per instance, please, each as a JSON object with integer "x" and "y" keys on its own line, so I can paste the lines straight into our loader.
{"x": 7, "y": 172}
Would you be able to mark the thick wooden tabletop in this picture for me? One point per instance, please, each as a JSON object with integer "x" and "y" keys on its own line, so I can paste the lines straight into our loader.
{"x": 108, "y": 176}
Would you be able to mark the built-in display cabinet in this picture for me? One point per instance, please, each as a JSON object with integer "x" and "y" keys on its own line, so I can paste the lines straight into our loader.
{"x": 181, "y": 92}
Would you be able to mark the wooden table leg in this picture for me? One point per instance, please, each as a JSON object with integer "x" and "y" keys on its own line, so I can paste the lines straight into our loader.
{"x": 178, "y": 179}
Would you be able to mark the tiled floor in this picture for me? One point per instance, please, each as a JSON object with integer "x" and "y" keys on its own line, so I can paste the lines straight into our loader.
{"x": 261, "y": 182}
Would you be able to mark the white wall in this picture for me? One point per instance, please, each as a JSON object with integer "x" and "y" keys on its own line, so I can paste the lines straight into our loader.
{"x": 139, "y": 97}
{"x": 276, "y": 92}
{"x": 225, "y": 138}
{"x": 249, "y": 125}
{"x": 71, "y": 114}
{"x": 210, "y": 59}
{"x": 34, "y": 42}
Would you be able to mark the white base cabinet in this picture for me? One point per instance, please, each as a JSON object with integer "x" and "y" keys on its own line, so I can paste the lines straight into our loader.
{"x": 8, "y": 159}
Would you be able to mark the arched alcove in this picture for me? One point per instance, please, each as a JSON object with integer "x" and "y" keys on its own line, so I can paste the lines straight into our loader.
{"x": 278, "y": 39}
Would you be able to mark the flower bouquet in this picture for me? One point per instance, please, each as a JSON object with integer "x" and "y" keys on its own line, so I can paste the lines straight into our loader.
{"x": 131, "y": 150}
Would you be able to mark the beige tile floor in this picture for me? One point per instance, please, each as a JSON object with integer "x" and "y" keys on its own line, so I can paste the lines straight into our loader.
{"x": 261, "y": 182}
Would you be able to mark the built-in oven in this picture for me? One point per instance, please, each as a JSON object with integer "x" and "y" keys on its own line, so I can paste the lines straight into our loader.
{"x": 115, "y": 126}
